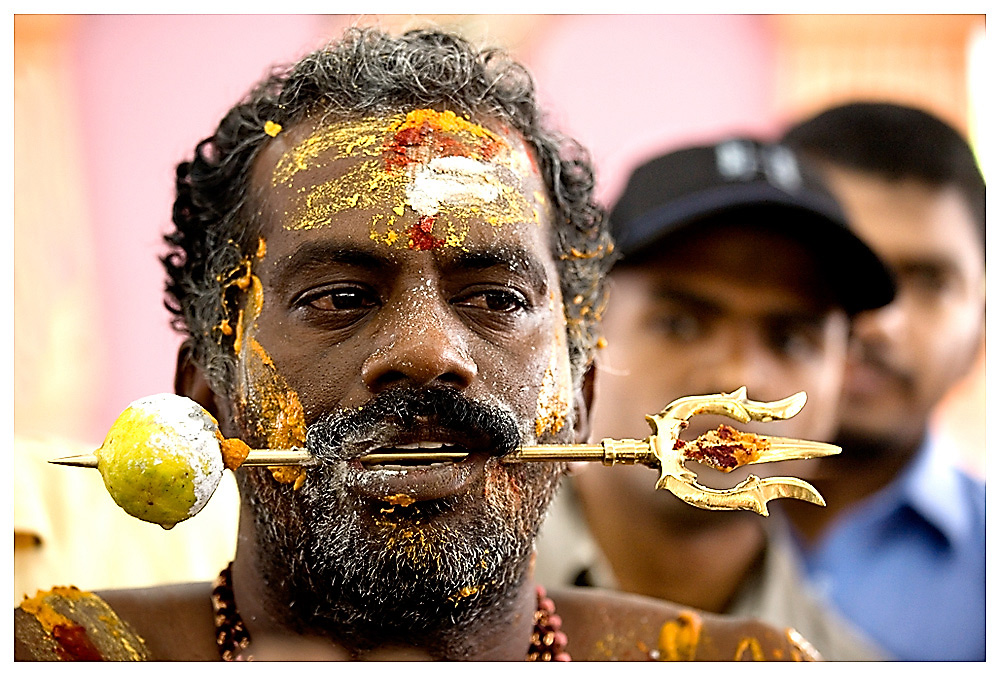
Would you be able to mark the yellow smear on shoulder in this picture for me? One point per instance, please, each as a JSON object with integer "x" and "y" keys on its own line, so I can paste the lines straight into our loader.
{"x": 749, "y": 650}
{"x": 679, "y": 638}
{"x": 48, "y": 616}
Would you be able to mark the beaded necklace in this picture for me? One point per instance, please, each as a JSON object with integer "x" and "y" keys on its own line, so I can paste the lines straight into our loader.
{"x": 548, "y": 642}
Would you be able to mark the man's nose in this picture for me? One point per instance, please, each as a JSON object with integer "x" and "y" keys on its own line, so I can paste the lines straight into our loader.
{"x": 882, "y": 325}
{"x": 739, "y": 359}
{"x": 422, "y": 343}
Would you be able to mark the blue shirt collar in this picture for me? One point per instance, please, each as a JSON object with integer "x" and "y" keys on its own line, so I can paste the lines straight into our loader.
{"x": 931, "y": 486}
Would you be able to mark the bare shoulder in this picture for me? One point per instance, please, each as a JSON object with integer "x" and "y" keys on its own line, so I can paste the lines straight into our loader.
{"x": 604, "y": 625}
{"x": 176, "y": 621}
{"x": 171, "y": 622}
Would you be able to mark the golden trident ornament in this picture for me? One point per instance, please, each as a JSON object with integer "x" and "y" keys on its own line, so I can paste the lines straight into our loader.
{"x": 724, "y": 449}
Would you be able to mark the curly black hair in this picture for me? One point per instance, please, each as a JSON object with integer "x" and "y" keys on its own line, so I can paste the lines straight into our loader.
{"x": 369, "y": 72}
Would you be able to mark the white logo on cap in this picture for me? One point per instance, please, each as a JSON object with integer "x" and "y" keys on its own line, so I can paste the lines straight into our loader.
{"x": 781, "y": 168}
{"x": 739, "y": 160}
{"x": 736, "y": 160}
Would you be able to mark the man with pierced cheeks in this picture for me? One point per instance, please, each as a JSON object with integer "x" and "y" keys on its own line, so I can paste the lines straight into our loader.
{"x": 381, "y": 250}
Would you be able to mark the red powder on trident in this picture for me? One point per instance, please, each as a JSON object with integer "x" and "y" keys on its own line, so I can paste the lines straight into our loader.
{"x": 420, "y": 235}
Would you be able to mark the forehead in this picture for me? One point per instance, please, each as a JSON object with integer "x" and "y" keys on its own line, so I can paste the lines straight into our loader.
{"x": 908, "y": 219}
{"x": 420, "y": 179}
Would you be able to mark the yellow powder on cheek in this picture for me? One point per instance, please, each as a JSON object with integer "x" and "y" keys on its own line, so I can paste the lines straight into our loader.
{"x": 271, "y": 408}
{"x": 274, "y": 410}
{"x": 280, "y": 409}
{"x": 502, "y": 491}
{"x": 555, "y": 393}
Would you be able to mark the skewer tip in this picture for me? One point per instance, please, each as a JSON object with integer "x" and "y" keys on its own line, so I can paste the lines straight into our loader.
{"x": 87, "y": 460}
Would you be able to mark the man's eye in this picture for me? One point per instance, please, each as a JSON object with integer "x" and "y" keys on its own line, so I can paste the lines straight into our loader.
{"x": 679, "y": 326}
{"x": 505, "y": 301}
{"x": 926, "y": 280}
{"x": 341, "y": 300}
{"x": 795, "y": 342}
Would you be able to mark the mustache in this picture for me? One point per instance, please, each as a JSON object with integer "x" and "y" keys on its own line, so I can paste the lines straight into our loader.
{"x": 401, "y": 413}
{"x": 872, "y": 356}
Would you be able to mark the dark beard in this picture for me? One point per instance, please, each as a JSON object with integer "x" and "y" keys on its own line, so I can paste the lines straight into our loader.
{"x": 370, "y": 575}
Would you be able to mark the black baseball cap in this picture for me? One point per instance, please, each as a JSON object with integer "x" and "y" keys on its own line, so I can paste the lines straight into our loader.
{"x": 676, "y": 192}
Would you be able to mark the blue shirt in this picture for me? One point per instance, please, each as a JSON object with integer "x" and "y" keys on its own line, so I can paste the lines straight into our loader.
{"x": 908, "y": 564}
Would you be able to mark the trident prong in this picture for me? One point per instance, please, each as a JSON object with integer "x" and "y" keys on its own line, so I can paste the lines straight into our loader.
{"x": 753, "y": 493}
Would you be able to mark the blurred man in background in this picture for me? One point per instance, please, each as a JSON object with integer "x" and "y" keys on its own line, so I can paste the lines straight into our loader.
{"x": 901, "y": 547}
{"x": 737, "y": 269}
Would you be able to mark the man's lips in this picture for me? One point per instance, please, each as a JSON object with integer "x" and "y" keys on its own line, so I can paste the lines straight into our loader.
{"x": 403, "y": 481}
{"x": 410, "y": 476}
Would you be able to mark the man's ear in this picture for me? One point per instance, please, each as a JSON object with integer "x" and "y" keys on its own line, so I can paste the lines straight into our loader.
{"x": 583, "y": 401}
{"x": 190, "y": 381}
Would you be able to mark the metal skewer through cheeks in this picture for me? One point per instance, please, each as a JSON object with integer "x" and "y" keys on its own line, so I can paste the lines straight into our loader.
{"x": 724, "y": 449}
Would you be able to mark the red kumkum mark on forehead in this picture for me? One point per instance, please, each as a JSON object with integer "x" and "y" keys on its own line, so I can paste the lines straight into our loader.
{"x": 395, "y": 153}
{"x": 420, "y": 235}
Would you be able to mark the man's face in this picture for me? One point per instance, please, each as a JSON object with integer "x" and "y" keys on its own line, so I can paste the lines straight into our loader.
{"x": 735, "y": 306}
{"x": 906, "y": 355}
{"x": 404, "y": 296}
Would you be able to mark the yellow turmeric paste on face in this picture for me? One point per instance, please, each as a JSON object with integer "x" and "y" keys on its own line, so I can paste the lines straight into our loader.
{"x": 271, "y": 128}
{"x": 554, "y": 395}
{"x": 273, "y": 409}
{"x": 395, "y": 155}
{"x": 445, "y": 120}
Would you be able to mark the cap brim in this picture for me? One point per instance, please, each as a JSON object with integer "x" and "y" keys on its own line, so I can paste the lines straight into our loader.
{"x": 857, "y": 276}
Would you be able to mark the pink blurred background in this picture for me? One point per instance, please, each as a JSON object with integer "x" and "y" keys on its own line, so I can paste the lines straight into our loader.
{"x": 106, "y": 105}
